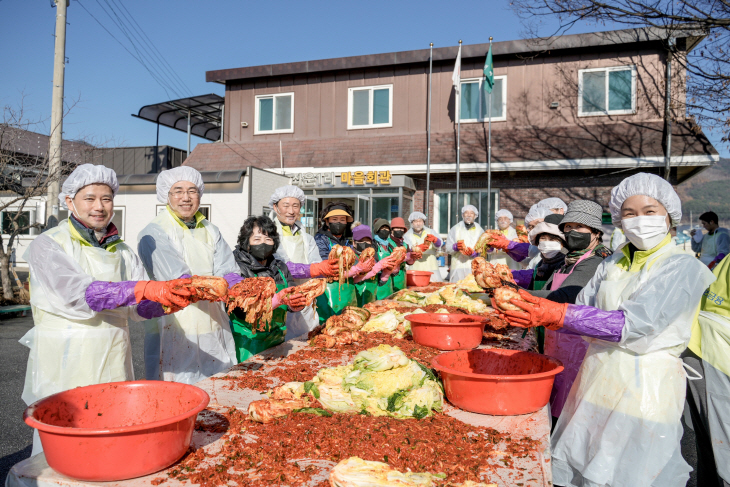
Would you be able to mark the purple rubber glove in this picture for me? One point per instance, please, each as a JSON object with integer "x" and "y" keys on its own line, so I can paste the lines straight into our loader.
{"x": 438, "y": 243}
{"x": 149, "y": 309}
{"x": 475, "y": 255}
{"x": 523, "y": 278}
{"x": 456, "y": 247}
{"x": 299, "y": 271}
{"x": 593, "y": 322}
{"x": 232, "y": 278}
{"x": 101, "y": 295}
{"x": 518, "y": 250}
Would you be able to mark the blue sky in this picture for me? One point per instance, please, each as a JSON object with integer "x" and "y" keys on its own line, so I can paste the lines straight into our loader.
{"x": 196, "y": 36}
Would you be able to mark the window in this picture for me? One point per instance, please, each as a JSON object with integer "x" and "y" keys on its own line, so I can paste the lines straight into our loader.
{"x": 23, "y": 221}
{"x": 118, "y": 220}
{"x": 607, "y": 91}
{"x": 274, "y": 114}
{"x": 475, "y": 101}
{"x": 447, "y": 210}
{"x": 370, "y": 107}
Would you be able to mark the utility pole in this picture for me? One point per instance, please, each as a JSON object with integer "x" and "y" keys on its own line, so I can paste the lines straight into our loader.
{"x": 54, "y": 152}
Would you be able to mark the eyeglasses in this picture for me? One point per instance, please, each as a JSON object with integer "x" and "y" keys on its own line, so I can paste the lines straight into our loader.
{"x": 193, "y": 193}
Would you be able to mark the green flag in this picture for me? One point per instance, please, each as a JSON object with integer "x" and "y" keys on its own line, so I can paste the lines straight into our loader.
{"x": 489, "y": 72}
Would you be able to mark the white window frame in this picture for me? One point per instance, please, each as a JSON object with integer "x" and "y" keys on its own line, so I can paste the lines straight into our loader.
{"x": 123, "y": 209}
{"x": 607, "y": 70}
{"x": 256, "y": 130}
{"x": 32, "y": 212}
{"x": 370, "y": 125}
{"x": 485, "y": 118}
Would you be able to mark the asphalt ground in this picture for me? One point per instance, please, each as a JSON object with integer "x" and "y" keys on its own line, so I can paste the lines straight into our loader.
{"x": 16, "y": 437}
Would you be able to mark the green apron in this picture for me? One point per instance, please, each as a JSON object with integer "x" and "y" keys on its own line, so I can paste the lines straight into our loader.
{"x": 399, "y": 280}
{"x": 336, "y": 297}
{"x": 250, "y": 343}
{"x": 366, "y": 291}
{"x": 386, "y": 289}
{"x": 539, "y": 330}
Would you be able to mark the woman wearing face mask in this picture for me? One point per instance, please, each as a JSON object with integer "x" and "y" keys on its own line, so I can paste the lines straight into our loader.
{"x": 254, "y": 254}
{"x": 381, "y": 227}
{"x": 550, "y": 242}
{"x": 621, "y": 423}
{"x": 366, "y": 285}
{"x": 336, "y": 219}
{"x": 397, "y": 232}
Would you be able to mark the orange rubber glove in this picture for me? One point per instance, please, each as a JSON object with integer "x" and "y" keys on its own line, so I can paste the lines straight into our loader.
{"x": 501, "y": 243}
{"x": 164, "y": 292}
{"x": 424, "y": 246}
{"x": 468, "y": 251}
{"x": 538, "y": 312}
{"x": 460, "y": 246}
{"x": 326, "y": 268}
{"x": 431, "y": 238}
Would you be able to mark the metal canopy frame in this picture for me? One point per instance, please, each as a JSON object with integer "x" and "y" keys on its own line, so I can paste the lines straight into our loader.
{"x": 197, "y": 115}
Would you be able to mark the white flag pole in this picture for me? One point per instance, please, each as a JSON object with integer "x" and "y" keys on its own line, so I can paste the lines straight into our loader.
{"x": 489, "y": 158}
{"x": 458, "y": 126}
{"x": 427, "y": 196}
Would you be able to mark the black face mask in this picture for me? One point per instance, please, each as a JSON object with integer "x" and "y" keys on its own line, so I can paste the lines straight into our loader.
{"x": 578, "y": 240}
{"x": 337, "y": 228}
{"x": 360, "y": 246}
{"x": 398, "y": 233}
{"x": 261, "y": 251}
{"x": 384, "y": 233}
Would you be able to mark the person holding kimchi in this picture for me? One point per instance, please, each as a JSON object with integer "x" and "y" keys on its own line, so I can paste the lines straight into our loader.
{"x": 258, "y": 240}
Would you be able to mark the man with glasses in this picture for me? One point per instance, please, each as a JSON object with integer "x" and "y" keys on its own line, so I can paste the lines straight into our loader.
{"x": 195, "y": 343}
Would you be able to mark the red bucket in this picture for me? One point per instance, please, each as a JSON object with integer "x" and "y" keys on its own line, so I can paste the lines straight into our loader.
{"x": 116, "y": 431}
{"x": 418, "y": 278}
{"x": 447, "y": 331}
{"x": 497, "y": 382}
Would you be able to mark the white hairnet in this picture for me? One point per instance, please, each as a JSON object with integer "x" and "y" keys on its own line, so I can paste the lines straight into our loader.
{"x": 537, "y": 213}
{"x": 166, "y": 179}
{"x": 552, "y": 203}
{"x": 416, "y": 215}
{"x": 506, "y": 213}
{"x": 470, "y": 208}
{"x": 648, "y": 185}
{"x": 290, "y": 191}
{"x": 84, "y": 175}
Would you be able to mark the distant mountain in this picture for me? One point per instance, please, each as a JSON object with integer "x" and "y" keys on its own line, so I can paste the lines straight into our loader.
{"x": 708, "y": 191}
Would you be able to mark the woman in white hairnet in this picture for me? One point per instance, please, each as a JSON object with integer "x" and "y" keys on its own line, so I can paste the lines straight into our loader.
{"x": 556, "y": 205}
{"x": 421, "y": 237}
{"x": 461, "y": 241}
{"x": 501, "y": 256}
{"x": 85, "y": 283}
{"x": 300, "y": 253}
{"x": 621, "y": 424}
{"x": 196, "y": 342}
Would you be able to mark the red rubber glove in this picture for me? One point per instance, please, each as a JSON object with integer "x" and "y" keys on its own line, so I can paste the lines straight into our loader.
{"x": 538, "y": 312}
{"x": 460, "y": 246}
{"x": 501, "y": 243}
{"x": 712, "y": 264}
{"x": 164, "y": 292}
{"x": 295, "y": 301}
{"x": 468, "y": 251}
{"x": 424, "y": 246}
{"x": 431, "y": 238}
{"x": 326, "y": 268}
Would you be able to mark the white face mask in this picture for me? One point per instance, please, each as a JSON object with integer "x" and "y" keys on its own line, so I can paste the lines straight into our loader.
{"x": 549, "y": 248}
{"x": 645, "y": 232}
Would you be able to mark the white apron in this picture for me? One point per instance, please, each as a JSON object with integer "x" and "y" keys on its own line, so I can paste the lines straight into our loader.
{"x": 428, "y": 261}
{"x": 460, "y": 263}
{"x": 306, "y": 320}
{"x": 716, "y": 362}
{"x": 621, "y": 423}
{"x": 196, "y": 342}
{"x": 65, "y": 353}
{"x": 709, "y": 248}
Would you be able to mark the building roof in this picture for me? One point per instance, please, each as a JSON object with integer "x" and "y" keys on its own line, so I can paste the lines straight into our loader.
{"x": 594, "y": 40}
{"x": 208, "y": 177}
{"x": 205, "y": 115}
{"x": 35, "y": 145}
{"x": 593, "y": 146}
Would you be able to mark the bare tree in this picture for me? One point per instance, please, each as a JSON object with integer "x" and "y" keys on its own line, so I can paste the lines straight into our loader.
{"x": 25, "y": 174}
{"x": 707, "y": 66}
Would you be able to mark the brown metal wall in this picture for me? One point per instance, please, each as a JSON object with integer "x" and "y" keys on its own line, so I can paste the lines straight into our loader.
{"x": 320, "y": 101}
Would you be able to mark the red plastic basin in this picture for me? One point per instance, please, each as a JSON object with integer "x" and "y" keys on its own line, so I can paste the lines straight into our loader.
{"x": 116, "y": 431}
{"x": 495, "y": 381}
{"x": 418, "y": 278}
{"x": 447, "y": 331}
